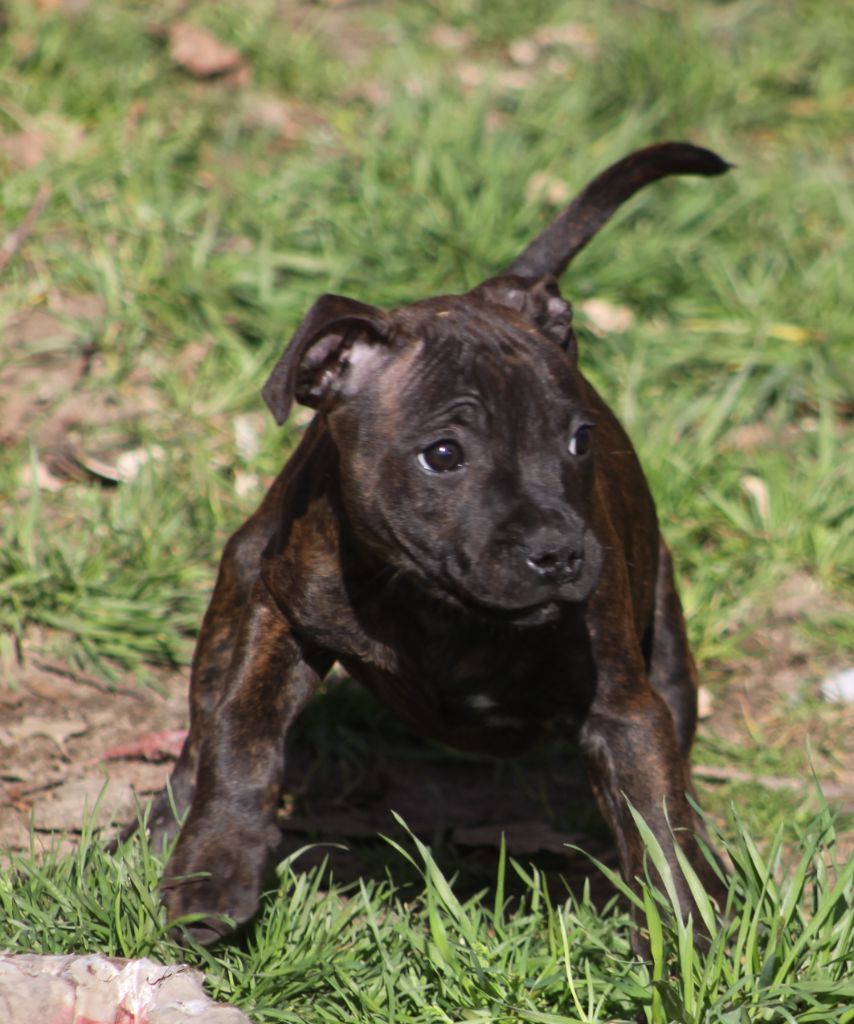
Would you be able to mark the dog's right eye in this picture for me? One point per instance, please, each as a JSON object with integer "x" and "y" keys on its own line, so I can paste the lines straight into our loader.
{"x": 442, "y": 457}
{"x": 579, "y": 443}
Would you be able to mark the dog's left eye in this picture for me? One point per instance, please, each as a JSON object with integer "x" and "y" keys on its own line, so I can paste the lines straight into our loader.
{"x": 442, "y": 457}
{"x": 579, "y": 443}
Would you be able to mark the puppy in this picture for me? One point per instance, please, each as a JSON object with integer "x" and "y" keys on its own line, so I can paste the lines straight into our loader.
{"x": 466, "y": 528}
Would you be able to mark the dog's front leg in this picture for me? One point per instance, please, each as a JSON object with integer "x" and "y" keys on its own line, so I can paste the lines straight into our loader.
{"x": 634, "y": 758}
{"x": 218, "y": 638}
{"x": 224, "y": 850}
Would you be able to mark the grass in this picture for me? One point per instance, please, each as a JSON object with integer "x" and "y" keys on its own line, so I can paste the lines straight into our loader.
{"x": 398, "y": 168}
{"x": 379, "y": 951}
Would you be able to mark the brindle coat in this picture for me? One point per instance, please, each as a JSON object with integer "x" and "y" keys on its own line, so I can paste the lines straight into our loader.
{"x": 466, "y": 528}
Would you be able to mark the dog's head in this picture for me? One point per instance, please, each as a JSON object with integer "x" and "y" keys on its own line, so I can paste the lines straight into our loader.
{"x": 466, "y": 435}
{"x": 465, "y": 440}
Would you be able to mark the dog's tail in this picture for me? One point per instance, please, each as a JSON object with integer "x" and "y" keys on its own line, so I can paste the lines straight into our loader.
{"x": 553, "y": 249}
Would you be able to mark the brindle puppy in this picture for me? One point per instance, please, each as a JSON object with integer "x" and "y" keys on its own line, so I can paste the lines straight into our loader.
{"x": 466, "y": 528}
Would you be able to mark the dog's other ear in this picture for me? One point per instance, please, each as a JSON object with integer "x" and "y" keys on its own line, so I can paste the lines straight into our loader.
{"x": 538, "y": 300}
{"x": 326, "y": 343}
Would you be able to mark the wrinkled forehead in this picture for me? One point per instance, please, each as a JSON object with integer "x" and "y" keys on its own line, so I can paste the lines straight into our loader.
{"x": 482, "y": 352}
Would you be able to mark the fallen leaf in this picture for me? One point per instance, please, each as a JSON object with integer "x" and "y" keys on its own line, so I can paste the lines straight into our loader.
{"x": 606, "y": 318}
{"x": 63, "y": 6}
{"x": 246, "y": 484}
{"x": 542, "y": 185}
{"x": 247, "y": 438}
{"x": 573, "y": 35}
{"x": 199, "y": 52}
{"x": 153, "y": 746}
{"x": 471, "y": 76}
{"x": 793, "y": 333}
{"x": 757, "y": 490}
{"x": 59, "y": 689}
{"x": 129, "y": 463}
{"x": 705, "y": 703}
{"x": 14, "y": 772}
{"x": 74, "y": 465}
{"x": 523, "y": 52}
{"x": 41, "y": 477}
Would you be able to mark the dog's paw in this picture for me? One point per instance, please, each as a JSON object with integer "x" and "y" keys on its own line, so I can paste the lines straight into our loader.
{"x": 219, "y": 881}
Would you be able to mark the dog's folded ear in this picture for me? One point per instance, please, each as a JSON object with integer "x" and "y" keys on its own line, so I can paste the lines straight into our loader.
{"x": 538, "y": 300}
{"x": 331, "y": 338}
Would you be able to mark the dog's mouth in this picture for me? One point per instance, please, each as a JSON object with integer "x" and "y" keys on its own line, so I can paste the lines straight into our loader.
{"x": 447, "y": 592}
{"x": 451, "y": 593}
{"x": 524, "y": 618}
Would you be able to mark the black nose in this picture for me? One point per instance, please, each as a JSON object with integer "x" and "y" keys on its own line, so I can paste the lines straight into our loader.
{"x": 559, "y": 563}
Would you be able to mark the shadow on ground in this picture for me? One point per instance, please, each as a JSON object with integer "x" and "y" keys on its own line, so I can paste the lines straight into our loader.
{"x": 350, "y": 765}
